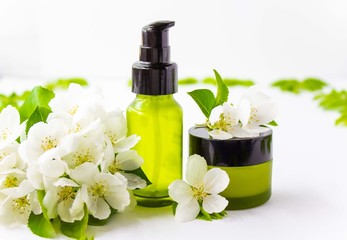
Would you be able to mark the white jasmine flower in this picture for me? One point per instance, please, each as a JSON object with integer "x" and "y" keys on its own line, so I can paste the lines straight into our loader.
{"x": 41, "y": 174}
{"x": 126, "y": 161}
{"x": 64, "y": 198}
{"x": 9, "y": 158}
{"x": 225, "y": 123}
{"x": 15, "y": 211}
{"x": 115, "y": 128}
{"x": 10, "y": 127}
{"x": 200, "y": 190}
{"x": 45, "y": 140}
{"x": 256, "y": 109}
{"x": 101, "y": 190}
{"x": 15, "y": 204}
{"x": 14, "y": 183}
{"x": 69, "y": 103}
{"x": 88, "y": 149}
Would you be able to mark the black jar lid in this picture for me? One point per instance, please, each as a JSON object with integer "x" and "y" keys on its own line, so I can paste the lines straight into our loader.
{"x": 231, "y": 152}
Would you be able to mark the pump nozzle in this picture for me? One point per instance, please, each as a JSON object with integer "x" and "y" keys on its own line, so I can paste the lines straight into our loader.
{"x": 155, "y": 74}
{"x": 155, "y": 42}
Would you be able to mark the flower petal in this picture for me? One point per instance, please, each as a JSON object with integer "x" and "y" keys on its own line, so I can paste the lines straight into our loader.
{"x": 244, "y": 111}
{"x": 22, "y": 190}
{"x": 50, "y": 202}
{"x": 214, "y": 203}
{"x": 77, "y": 208}
{"x": 84, "y": 173}
{"x": 215, "y": 113}
{"x": 187, "y": 212}
{"x": 17, "y": 215}
{"x": 102, "y": 209}
{"x": 129, "y": 160}
{"x": 196, "y": 169}
{"x": 126, "y": 143}
{"x": 134, "y": 181}
{"x": 215, "y": 180}
{"x": 230, "y": 114}
{"x": 62, "y": 182}
{"x": 180, "y": 192}
{"x": 119, "y": 199}
{"x": 220, "y": 134}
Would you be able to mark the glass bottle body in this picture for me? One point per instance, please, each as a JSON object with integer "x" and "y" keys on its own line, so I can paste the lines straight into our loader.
{"x": 158, "y": 121}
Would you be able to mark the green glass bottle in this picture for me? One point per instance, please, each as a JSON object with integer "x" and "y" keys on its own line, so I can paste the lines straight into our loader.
{"x": 155, "y": 116}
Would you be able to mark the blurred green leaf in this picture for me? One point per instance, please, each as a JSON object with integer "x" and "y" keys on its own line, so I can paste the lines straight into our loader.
{"x": 313, "y": 84}
{"x": 188, "y": 81}
{"x": 209, "y": 80}
{"x": 335, "y": 100}
{"x": 288, "y": 85}
{"x": 342, "y": 120}
{"x": 231, "y": 82}
{"x": 295, "y": 86}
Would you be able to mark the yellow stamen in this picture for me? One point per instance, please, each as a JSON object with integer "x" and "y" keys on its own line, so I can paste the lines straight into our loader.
{"x": 48, "y": 143}
{"x": 73, "y": 110}
{"x": 199, "y": 193}
{"x": 21, "y": 205}
{"x": 11, "y": 181}
{"x": 66, "y": 193}
{"x": 99, "y": 189}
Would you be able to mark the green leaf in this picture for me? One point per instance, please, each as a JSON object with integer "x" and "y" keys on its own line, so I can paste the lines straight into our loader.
{"x": 342, "y": 120}
{"x": 139, "y": 172}
{"x": 218, "y": 216}
{"x": 313, "y": 84}
{"x": 272, "y": 123}
{"x": 205, "y": 100}
{"x": 222, "y": 90}
{"x": 335, "y": 100}
{"x": 76, "y": 229}
{"x": 295, "y": 86}
{"x": 232, "y": 82}
{"x": 174, "y": 207}
{"x": 39, "y": 97}
{"x": 187, "y": 81}
{"x": 40, "y": 196}
{"x": 209, "y": 80}
{"x": 203, "y": 215}
{"x": 39, "y": 115}
{"x": 97, "y": 222}
{"x": 288, "y": 85}
{"x": 40, "y": 226}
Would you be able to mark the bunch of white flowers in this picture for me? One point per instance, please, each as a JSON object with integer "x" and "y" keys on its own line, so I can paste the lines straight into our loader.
{"x": 255, "y": 109}
{"x": 78, "y": 162}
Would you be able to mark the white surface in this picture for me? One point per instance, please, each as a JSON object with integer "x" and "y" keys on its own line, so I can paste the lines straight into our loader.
{"x": 240, "y": 38}
{"x": 309, "y": 198}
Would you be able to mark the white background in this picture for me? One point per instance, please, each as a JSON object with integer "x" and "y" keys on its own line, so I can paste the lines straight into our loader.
{"x": 263, "y": 40}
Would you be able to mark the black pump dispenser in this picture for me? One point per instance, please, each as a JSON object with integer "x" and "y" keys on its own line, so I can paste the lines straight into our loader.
{"x": 155, "y": 74}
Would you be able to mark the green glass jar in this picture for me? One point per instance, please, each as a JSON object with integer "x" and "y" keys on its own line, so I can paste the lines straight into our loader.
{"x": 158, "y": 120}
{"x": 247, "y": 161}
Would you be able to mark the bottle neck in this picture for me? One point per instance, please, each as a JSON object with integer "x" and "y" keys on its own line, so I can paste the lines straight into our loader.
{"x": 155, "y": 97}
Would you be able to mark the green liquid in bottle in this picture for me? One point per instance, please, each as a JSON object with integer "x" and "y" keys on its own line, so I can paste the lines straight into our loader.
{"x": 158, "y": 121}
